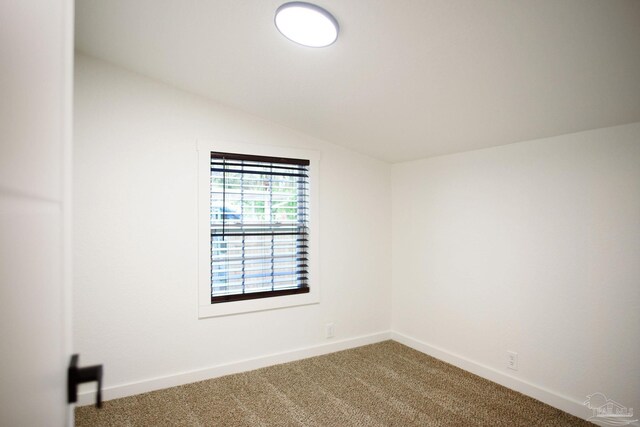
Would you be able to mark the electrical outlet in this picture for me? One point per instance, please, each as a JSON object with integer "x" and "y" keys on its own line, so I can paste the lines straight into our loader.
{"x": 328, "y": 330}
{"x": 512, "y": 360}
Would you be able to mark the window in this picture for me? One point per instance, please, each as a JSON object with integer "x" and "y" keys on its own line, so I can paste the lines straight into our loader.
{"x": 258, "y": 228}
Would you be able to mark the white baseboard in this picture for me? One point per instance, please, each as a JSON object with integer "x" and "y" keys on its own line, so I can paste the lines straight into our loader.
{"x": 151, "y": 384}
{"x": 542, "y": 394}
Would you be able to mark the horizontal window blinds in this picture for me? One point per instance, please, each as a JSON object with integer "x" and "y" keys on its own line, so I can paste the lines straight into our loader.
{"x": 259, "y": 226}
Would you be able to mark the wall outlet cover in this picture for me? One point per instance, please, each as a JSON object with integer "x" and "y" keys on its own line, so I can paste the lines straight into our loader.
{"x": 329, "y": 332}
{"x": 512, "y": 360}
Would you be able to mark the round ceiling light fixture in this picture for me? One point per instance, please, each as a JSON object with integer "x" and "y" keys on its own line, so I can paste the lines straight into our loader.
{"x": 306, "y": 24}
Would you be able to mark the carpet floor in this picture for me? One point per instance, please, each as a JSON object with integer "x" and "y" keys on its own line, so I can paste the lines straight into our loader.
{"x": 383, "y": 384}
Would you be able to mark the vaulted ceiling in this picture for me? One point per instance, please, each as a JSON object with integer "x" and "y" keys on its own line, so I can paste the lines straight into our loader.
{"x": 406, "y": 79}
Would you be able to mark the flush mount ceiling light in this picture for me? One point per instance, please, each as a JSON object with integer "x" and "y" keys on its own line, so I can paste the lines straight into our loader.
{"x": 306, "y": 24}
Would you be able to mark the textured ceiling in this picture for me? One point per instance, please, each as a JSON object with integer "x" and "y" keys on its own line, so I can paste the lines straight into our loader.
{"x": 406, "y": 79}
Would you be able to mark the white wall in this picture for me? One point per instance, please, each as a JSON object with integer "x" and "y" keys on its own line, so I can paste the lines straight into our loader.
{"x": 135, "y": 235}
{"x": 531, "y": 247}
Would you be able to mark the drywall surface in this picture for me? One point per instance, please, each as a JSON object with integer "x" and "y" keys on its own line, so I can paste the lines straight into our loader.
{"x": 135, "y": 234}
{"x": 532, "y": 248}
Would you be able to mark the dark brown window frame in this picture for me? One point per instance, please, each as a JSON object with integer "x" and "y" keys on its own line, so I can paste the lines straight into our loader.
{"x": 303, "y": 287}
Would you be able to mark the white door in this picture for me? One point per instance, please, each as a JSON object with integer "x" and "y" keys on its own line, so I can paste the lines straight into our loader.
{"x": 36, "y": 46}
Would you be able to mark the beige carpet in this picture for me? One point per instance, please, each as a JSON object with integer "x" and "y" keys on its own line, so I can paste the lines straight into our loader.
{"x": 384, "y": 384}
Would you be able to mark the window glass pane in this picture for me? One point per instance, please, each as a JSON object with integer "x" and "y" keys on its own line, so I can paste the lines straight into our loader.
{"x": 259, "y": 225}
